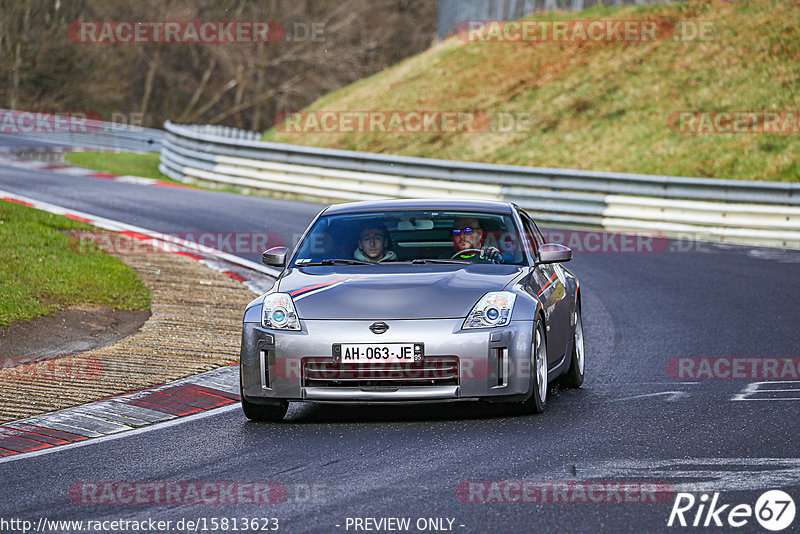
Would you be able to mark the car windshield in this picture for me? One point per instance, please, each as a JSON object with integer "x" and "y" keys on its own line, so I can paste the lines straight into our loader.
{"x": 413, "y": 236}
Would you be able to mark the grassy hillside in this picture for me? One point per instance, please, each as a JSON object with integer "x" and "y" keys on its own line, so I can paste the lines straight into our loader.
{"x": 600, "y": 105}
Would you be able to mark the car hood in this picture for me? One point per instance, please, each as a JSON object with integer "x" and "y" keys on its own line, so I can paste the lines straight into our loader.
{"x": 392, "y": 292}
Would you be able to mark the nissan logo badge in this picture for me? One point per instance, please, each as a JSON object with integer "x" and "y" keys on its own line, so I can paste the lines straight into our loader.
{"x": 379, "y": 328}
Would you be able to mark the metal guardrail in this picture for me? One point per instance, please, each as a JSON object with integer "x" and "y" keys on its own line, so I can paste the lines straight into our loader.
{"x": 81, "y": 133}
{"x": 728, "y": 210}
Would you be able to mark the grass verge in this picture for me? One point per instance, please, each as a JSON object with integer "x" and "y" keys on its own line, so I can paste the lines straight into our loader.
{"x": 43, "y": 270}
{"x": 124, "y": 163}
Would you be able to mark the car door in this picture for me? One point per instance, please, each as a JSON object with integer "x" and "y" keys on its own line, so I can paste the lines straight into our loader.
{"x": 549, "y": 285}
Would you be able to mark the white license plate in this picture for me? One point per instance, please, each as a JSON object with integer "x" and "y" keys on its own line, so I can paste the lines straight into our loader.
{"x": 377, "y": 352}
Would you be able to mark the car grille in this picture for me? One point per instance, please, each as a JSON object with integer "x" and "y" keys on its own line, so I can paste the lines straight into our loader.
{"x": 433, "y": 371}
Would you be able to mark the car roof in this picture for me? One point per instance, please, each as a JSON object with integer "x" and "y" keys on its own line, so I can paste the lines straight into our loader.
{"x": 493, "y": 206}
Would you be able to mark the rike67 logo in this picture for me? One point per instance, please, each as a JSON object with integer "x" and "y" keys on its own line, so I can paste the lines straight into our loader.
{"x": 774, "y": 510}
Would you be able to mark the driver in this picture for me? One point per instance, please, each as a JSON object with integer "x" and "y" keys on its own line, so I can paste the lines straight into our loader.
{"x": 467, "y": 239}
{"x": 372, "y": 242}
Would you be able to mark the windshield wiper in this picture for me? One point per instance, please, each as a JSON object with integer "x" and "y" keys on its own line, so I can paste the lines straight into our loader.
{"x": 334, "y": 261}
{"x": 431, "y": 260}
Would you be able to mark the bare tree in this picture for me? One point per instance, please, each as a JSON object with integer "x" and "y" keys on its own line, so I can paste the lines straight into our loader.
{"x": 327, "y": 45}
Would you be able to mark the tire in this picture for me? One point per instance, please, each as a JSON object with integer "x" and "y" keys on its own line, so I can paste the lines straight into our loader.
{"x": 264, "y": 412}
{"x": 573, "y": 378}
{"x": 538, "y": 373}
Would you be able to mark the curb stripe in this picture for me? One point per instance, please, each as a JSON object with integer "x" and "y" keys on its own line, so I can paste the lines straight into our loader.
{"x": 173, "y": 408}
{"x": 14, "y": 200}
{"x": 49, "y": 432}
{"x": 18, "y": 444}
{"x": 234, "y": 276}
{"x": 187, "y": 254}
{"x": 106, "y": 419}
{"x": 163, "y": 399}
{"x": 34, "y": 437}
{"x": 217, "y": 392}
{"x": 196, "y": 397}
{"x": 76, "y": 218}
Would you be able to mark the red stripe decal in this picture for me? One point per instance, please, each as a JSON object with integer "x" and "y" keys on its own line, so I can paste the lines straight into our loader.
{"x": 546, "y": 285}
{"x": 317, "y": 286}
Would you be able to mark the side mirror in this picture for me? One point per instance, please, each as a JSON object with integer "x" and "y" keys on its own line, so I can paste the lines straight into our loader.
{"x": 274, "y": 257}
{"x": 553, "y": 253}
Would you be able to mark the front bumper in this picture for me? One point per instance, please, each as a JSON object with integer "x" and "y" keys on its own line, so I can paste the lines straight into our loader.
{"x": 490, "y": 363}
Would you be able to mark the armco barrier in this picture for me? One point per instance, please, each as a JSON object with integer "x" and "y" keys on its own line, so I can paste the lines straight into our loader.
{"x": 727, "y": 210}
{"x": 91, "y": 134}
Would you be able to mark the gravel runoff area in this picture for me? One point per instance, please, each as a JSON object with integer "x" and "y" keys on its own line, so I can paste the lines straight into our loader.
{"x": 195, "y": 326}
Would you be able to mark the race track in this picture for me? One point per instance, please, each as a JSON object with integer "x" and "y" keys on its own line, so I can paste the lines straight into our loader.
{"x": 631, "y": 421}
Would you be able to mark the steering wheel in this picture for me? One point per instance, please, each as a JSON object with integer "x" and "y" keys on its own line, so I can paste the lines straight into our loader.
{"x": 460, "y": 252}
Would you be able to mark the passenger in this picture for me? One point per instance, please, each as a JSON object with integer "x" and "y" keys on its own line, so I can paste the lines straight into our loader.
{"x": 467, "y": 243}
{"x": 372, "y": 242}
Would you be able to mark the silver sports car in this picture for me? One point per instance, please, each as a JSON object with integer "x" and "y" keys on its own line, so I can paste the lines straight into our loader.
{"x": 408, "y": 301}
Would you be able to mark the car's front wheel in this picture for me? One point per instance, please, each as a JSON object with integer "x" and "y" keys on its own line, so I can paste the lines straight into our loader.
{"x": 538, "y": 374}
{"x": 264, "y": 412}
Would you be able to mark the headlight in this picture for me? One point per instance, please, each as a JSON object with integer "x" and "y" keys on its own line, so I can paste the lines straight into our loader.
{"x": 494, "y": 309}
{"x": 279, "y": 312}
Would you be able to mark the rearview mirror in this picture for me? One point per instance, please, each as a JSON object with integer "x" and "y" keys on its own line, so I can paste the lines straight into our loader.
{"x": 554, "y": 253}
{"x": 274, "y": 257}
{"x": 415, "y": 224}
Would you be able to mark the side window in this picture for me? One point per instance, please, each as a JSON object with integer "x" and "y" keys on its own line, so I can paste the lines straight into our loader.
{"x": 530, "y": 235}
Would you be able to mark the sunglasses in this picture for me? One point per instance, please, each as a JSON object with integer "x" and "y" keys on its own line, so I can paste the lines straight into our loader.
{"x": 467, "y": 231}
